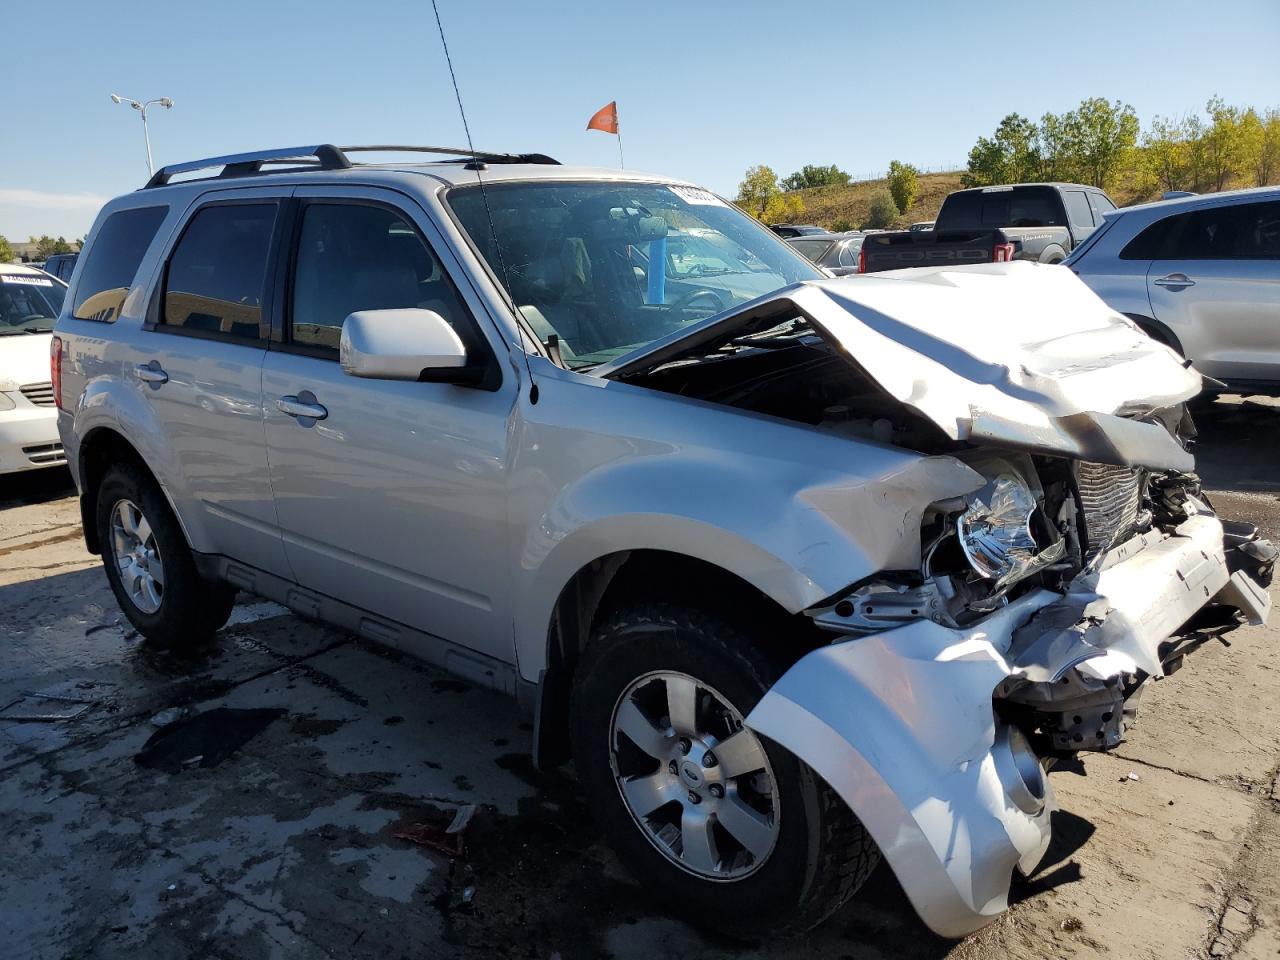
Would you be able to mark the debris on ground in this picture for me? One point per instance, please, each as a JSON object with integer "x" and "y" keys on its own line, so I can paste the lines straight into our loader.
{"x": 166, "y": 717}
{"x": 1130, "y": 776}
{"x": 203, "y": 740}
{"x": 1071, "y": 924}
{"x": 48, "y": 706}
{"x": 448, "y": 839}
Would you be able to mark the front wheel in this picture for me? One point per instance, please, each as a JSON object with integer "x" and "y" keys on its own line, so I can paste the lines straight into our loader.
{"x": 730, "y": 830}
{"x": 149, "y": 565}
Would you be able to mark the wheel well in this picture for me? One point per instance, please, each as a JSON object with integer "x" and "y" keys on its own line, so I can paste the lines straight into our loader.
{"x": 630, "y": 577}
{"x": 98, "y": 451}
{"x": 1157, "y": 331}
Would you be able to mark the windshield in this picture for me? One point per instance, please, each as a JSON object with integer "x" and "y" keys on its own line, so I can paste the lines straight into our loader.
{"x": 28, "y": 303}
{"x": 578, "y": 259}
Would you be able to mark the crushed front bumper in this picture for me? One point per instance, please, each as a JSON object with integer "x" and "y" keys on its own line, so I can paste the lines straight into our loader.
{"x": 903, "y": 726}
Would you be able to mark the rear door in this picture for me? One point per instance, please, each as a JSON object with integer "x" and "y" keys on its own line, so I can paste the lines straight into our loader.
{"x": 199, "y": 367}
{"x": 1215, "y": 283}
{"x": 393, "y": 499}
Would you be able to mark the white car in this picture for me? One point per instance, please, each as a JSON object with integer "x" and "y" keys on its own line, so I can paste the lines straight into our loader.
{"x": 30, "y": 301}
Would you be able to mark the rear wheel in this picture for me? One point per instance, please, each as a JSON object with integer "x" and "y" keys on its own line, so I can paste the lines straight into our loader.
{"x": 149, "y": 565}
{"x": 729, "y": 829}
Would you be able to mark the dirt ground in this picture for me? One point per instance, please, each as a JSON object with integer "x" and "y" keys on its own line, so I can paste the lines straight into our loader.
{"x": 281, "y": 840}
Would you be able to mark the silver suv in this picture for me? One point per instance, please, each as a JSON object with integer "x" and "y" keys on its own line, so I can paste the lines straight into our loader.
{"x": 1201, "y": 274}
{"x": 799, "y": 572}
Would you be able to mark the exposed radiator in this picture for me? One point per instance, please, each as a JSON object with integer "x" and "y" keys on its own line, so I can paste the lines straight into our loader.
{"x": 1111, "y": 498}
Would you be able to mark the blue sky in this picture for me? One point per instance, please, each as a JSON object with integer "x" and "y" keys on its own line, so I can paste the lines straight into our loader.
{"x": 704, "y": 89}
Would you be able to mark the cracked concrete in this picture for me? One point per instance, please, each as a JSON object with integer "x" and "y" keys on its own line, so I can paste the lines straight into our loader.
{"x": 287, "y": 849}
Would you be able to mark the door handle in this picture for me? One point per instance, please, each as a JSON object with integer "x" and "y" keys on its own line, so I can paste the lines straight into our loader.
{"x": 1175, "y": 280}
{"x": 150, "y": 373}
{"x": 303, "y": 406}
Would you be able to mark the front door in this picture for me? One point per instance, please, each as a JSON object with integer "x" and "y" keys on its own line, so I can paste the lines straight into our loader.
{"x": 392, "y": 498}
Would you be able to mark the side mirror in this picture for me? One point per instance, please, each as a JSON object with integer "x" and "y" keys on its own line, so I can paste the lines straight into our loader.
{"x": 407, "y": 344}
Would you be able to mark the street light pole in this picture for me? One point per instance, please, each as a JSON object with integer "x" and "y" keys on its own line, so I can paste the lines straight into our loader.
{"x": 142, "y": 108}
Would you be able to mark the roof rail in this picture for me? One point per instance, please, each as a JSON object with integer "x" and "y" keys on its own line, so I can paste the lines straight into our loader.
{"x": 325, "y": 156}
{"x": 462, "y": 154}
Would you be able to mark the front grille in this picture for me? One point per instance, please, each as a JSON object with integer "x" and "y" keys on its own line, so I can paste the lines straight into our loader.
{"x": 45, "y": 453}
{"x": 1110, "y": 497}
{"x": 41, "y": 394}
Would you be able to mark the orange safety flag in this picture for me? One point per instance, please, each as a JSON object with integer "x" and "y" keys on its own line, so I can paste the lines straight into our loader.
{"x": 606, "y": 118}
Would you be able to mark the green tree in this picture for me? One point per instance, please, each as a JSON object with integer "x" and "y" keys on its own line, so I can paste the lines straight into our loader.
{"x": 1266, "y": 162}
{"x": 758, "y": 187}
{"x": 1164, "y": 154}
{"x": 46, "y": 246}
{"x": 6, "y": 250}
{"x": 883, "y": 210}
{"x": 841, "y": 226}
{"x": 1009, "y": 155}
{"x": 1224, "y": 143}
{"x": 1100, "y": 137}
{"x": 904, "y": 184}
{"x": 812, "y": 176}
{"x": 1055, "y": 156}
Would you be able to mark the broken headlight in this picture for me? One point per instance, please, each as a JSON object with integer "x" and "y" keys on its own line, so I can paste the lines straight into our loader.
{"x": 995, "y": 532}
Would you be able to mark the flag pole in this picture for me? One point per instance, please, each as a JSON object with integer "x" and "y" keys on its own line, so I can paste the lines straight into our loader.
{"x": 621, "y": 163}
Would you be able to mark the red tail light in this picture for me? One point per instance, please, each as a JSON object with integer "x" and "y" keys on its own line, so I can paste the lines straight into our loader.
{"x": 862, "y": 259}
{"x": 1002, "y": 252}
{"x": 55, "y": 370}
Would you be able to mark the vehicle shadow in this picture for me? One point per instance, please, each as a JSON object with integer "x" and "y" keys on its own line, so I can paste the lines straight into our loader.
{"x": 1235, "y": 449}
{"x": 35, "y": 486}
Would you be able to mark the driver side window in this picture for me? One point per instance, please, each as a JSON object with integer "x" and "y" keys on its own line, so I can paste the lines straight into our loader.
{"x": 354, "y": 257}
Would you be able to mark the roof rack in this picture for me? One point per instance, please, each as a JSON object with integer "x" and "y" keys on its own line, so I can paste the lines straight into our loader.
{"x": 325, "y": 156}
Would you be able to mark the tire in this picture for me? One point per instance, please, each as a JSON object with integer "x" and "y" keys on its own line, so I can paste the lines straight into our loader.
{"x": 182, "y": 610}
{"x": 820, "y": 854}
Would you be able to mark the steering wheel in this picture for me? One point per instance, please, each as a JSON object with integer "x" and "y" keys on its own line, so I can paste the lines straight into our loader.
{"x": 682, "y": 303}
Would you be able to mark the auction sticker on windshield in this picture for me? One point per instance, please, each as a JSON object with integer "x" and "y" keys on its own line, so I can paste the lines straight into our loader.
{"x": 698, "y": 196}
{"x": 32, "y": 281}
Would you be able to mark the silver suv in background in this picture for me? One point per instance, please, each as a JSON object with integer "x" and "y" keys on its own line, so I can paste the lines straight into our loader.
{"x": 1201, "y": 274}
{"x": 830, "y": 574}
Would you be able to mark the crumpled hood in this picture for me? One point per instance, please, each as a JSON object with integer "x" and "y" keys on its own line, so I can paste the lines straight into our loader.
{"x": 1017, "y": 354}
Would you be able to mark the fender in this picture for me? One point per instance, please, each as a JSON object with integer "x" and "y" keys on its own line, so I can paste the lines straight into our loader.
{"x": 901, "y": 725}
{"x": 799, "y": 513}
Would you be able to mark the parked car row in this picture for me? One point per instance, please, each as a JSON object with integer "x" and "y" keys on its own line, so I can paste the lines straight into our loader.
{"x": 793, "y": 577}
{"x": 30, "y": 303}
{"x": 1199, "y": 273}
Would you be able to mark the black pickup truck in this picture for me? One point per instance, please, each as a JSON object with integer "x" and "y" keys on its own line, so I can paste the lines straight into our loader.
{"x": 1022, "y": 221}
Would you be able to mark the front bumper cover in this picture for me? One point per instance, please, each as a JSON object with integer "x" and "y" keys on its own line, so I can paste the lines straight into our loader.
{"x": 902, "y": 723}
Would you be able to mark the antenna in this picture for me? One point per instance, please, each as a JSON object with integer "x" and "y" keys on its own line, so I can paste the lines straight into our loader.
{"x": 477, "y": 165}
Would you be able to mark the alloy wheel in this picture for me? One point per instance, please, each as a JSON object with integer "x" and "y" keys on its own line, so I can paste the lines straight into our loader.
{"x": 697, "y": 782}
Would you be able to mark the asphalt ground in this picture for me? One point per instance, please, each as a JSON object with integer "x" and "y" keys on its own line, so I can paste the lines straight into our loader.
{"x": 286, "y": 838}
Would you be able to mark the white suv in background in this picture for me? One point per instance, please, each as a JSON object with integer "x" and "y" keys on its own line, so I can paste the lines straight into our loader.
{"x": 1201, "y": 274}
{"x": 30, "y": 301}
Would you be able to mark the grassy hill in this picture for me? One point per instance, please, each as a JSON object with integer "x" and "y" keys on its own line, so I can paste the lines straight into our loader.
{"x": 828, "y": 206}
{"x": 835, "y": 206}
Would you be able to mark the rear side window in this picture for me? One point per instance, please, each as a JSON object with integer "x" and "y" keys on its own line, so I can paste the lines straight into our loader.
{"x": 813, "y": 249}
{"x": 1078, "y": 208}
{"x": 217, "y": 272}
{"x": 1241, "y": 231}
{"x": 113, "y": 260}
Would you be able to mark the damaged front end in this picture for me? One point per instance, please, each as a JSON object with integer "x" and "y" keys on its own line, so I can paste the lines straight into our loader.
{"x": 1043, "y": 603}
